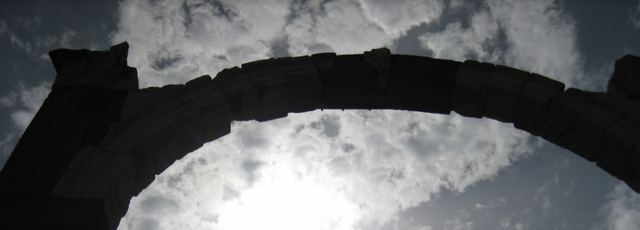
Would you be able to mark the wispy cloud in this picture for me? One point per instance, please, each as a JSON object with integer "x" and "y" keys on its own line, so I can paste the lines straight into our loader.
{"x": 35, "y": 47}
{"x": 383, "y": 162}
{"x": 622, "y": 209}
{"x": 634, "y": 16}
{"x": 530, "y": 35}
{"x": 23, "y": 103}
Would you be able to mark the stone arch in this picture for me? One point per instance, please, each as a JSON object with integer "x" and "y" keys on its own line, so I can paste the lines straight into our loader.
{"x": 98, "y": 140}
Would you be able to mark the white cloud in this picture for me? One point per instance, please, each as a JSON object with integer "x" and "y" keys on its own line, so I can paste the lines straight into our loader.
{"x": 539, "y": 38}
{"x": 396, "y": 17}
{"x": 383, "y": 162}
{"x": 37, "y": 46}
{"x": 183, "y": 41}
{"x": 9, "y": 100}
{"x": 25, "y": 103}
{"x": 459, "y": 44}
{"x": 31, "y": 24}
{"x": 622, "y": 208}
{"x": 202, "y": 37}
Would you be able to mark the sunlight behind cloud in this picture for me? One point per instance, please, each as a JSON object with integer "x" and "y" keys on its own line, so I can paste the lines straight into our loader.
{"x": 284, "y": 200}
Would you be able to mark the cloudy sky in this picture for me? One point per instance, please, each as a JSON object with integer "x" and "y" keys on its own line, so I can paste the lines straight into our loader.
{"x": 353, "y": 169}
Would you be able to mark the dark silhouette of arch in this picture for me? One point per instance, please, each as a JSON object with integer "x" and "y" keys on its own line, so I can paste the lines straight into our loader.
{"x": 98, "y": 140}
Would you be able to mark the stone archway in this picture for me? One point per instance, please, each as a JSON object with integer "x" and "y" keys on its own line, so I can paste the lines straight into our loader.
{"x": 98, "y": 140}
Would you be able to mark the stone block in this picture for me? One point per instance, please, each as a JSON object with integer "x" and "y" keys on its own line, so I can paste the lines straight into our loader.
{"x": 233, "y": 81}
{"x": 263, "y": 79}
{"x": 618, "y": 168}
{"x": 65, "y": 184}
{"x": 590, "y": 128}
{"x": 304, "y": 89}
{"x": 140, "y": 102}
{"x": 197, "y": 83}
{"x": 165, "y": 147}
{"x": 272, "y": 77}
{"x": 272, "y": 87}
{"x": 274, "y": 102}
{"x": 245, "y": 106}
{"x": 502, "y": 92}
{"x": 112, "y": 207}
{"x": 324, "y": 64}
{"x": 620, "y": 139}
{"x": 112, "y": 166}
{"x": 82, "y": 159}
{"x": 624, "y": 80}
{"x": 99, "y": 69}
{"x": 97, "y": 187}
{"x": 533, "y": 103}
{"x": 95, "y": 165}
{"x": 470, "y": 91}
{"x": 598, "y": 118}
{"x": 380, "y": 59}
{"x": 633, "y": 183}
{"x": 352, "y": 84}
{"x": 563, "y": 113}
{"x": 284, "y": 65}
{"x": 635, "y": 154}
{"x": 191, "y": 129}
{"x": 144, "y": 167}
{"x": 81, "y": 184}
{"x": 216, "y": 120}
{"x": 585, "y": 145}
{"x": 124, "y": 180}
{"x": 421, "y": 84}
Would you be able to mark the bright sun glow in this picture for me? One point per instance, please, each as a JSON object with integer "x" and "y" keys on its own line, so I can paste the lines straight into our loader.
{"x": 284, "y": 200}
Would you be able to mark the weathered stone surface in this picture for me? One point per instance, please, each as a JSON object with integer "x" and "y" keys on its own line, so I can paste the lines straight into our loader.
{"x": 563, "y": 112}
{"x": 271, "y": 83}
{"x": 421, "y": 84}
{"x": 304, "y": 88}
{"x": 53, "y": 213}
{"x": 621, "y": 138}
{"x": 243, "y": 95}
{"x": 471, "y": 88}
{"x": 590, "y": 128}
{"x": 324, "y": 64}
{"x": 144, "y": 167}
{"x": 100, "y": 69}
{"x": 380, "y": 59}
{"x": 95, "y": 148}
{"x": 352, "y": 84}
{"x": 216, "y": 120}
{"x": 625, "y": 80}
{"x": 502, "y": 93}
{"x": 533, "y": 103}
{"x": 140, "y": 102}
{"x": 198, "y": 83}
{"x": 50, "y": 143}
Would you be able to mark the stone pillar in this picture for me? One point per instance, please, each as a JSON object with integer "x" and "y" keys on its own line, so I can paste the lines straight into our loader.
{"x": 88, "y": 93}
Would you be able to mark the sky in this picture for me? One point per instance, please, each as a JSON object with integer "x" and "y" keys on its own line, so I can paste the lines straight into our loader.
{"x": 345, "y": 169}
